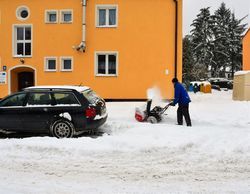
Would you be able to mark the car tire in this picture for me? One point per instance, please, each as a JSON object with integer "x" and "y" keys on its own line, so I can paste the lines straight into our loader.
{"x": 152, "y": 119}
{"x": 62, "y": 129}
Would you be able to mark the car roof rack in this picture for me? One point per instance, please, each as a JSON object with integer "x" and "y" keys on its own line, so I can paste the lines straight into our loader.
{"x": 57, "y": 88}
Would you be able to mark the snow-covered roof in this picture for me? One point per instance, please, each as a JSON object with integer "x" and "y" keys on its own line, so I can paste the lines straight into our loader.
{"x": 241, "y": 72}
{"x": 200, "y": 82}
{"x": 196, "y": 82}
{"x": 77, "y": 88}
{"x": 217, "y": 79}
{"x": 228, "y": 69}
{"x": 246, "y": 32}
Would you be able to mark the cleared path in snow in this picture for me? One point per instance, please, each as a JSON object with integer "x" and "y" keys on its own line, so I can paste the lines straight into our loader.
{"x": 213, "y": 156}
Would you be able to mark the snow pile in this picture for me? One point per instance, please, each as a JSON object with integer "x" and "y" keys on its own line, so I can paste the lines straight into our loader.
{"x": 241, "y": 72}
{"x": 213, "y": 156}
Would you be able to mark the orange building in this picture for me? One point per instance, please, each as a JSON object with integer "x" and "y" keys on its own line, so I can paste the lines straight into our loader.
{"x": 120, "y": 48}
{"x": 246, "y": 51}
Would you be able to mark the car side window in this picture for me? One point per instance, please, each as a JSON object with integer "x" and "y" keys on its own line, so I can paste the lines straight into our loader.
{"x": 15, "y": 100}
{"x": 41, "y": 98}
{"x": 65, "y": 99}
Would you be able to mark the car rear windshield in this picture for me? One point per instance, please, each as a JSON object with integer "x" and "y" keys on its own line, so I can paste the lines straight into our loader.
{"x": 91, "y": 96}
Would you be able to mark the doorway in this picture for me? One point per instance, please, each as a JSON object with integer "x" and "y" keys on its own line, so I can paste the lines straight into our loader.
{"x": 25, "y": 79}
{"x": 21, "y": 77}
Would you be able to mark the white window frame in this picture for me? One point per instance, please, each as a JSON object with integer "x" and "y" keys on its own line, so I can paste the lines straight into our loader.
{"x": 106, "y": 7}
{"x": 66, "y": 58}
{"x": 46, "y": 16}
{"x": 66, "y": 11}
{"x": 46, "y": 64}
{"x": 106, "y": 53}
{"x": 19, "y": 10}
{"x": 15, "y": 41}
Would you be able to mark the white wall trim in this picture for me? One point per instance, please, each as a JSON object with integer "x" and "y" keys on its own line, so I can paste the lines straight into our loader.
{"x": 22, "y": 8}
{"x": 18, "y": 66}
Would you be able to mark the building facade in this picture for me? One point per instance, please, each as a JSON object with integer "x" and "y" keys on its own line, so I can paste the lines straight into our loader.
{"x": 246, "y": 51}
{"x": 120, "y": 48}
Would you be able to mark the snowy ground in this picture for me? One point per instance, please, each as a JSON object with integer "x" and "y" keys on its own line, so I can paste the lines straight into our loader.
{"x": 213, "y": 156}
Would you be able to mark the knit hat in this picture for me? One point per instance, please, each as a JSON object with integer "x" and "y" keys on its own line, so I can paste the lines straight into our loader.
{"x": 174, "y": 80}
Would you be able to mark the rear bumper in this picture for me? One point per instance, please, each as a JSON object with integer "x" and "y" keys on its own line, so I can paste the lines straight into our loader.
{"x": 94, "y": 124}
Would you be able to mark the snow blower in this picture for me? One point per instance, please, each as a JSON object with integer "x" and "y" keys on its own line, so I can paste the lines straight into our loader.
{"x": 152, "y": 116}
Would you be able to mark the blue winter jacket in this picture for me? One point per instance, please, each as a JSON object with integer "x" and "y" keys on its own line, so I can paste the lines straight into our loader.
{"x": 180, "y": 95}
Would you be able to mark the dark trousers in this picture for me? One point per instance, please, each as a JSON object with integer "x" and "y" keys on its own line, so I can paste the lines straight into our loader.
{"x": 183, "y": 110}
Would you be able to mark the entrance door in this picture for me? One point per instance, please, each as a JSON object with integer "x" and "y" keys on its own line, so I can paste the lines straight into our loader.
{"x": 25, "y": 79}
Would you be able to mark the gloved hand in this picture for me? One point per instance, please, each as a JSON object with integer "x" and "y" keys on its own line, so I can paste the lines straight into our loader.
{"x": 171, "y": 104}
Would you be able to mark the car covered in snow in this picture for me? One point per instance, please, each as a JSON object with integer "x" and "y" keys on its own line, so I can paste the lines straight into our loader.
{"x": 61, "y": 111}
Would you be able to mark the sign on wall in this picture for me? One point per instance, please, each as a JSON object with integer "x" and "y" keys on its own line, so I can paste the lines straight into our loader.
{"x": 3, "y": 77}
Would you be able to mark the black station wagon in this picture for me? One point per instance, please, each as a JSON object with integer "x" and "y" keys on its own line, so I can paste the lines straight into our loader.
{"x": 61, "y": 111}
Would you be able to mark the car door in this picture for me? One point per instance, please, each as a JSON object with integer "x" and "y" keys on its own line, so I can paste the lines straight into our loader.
{"x": 38, "y": 114}
{"x": 66, "y": 103}
{"x": 11, "y": 112}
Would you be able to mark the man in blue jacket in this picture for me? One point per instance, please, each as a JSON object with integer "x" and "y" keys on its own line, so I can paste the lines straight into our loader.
{"x": 182, "y": 98}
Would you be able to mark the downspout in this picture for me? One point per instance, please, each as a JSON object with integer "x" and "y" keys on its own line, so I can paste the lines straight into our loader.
{"x": 82, "y": 46}
{"x": 176, "y": 39}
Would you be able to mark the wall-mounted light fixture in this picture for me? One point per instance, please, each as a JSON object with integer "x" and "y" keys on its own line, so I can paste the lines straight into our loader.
{"x": 22, "y": 60}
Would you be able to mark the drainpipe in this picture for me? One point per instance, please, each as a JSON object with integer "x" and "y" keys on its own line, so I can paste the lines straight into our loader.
{"x": 176, "y": 38}
{"x": 82, "y": 46}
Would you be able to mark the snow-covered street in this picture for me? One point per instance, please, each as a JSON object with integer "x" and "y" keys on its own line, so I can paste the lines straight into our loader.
{"x": 212, "y": 156}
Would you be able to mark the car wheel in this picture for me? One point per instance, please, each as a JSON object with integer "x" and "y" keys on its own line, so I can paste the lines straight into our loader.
{"x": 62, "y": 129}
{"x": 152, "y": 119}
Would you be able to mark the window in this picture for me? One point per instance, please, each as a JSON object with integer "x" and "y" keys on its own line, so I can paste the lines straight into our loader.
{"x": 91, "y": 96}
{"x": 22, "y": 41}
{"x": 106, "y": 64}
{"x": 50, "y": 64}
{"x": 106, "y": 16}
{"x": 65, "y": 99}
{"x": 51, "y": 16}
{"x": 39, "y": 99}
{"x": 66, "y": 64}
{"x": 22, "y": 13}
{"x": 66, "y": 16}
{"x": 16, "y": 100}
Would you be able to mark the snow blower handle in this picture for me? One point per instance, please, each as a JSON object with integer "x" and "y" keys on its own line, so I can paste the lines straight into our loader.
{"x": 166, "y": 107}
{"x": 171, "y": 103}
